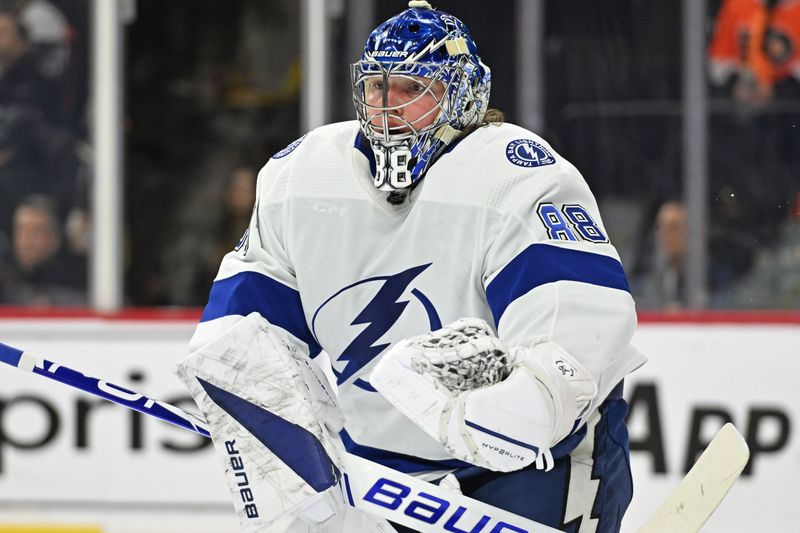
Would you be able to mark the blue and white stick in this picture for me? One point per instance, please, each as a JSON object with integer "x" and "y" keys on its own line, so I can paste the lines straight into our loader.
{"x": 368, "y": 486}
{"x": 108, "y": 391}
{"x": 423, "y": 506}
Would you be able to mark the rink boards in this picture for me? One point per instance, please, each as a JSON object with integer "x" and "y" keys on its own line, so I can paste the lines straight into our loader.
{"x": 69, "y": 459}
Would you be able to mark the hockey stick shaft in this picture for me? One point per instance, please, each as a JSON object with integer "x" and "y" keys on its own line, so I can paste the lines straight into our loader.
{"x": 103, "y": 389}
{"x": 387, "y": 493}
{"x": 371, "y": 487}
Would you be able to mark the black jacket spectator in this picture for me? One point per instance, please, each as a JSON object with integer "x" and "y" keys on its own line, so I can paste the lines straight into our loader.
{"x": 39, "y": 271}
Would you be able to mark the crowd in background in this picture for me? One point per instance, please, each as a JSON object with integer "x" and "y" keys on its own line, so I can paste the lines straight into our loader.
{"x": 754, "y": 168}
{"x": 212, "y": 90}
{"x": 42, "y": 165}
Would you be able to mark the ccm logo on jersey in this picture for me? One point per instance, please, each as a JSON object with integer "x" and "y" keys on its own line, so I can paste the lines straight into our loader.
{"x": 432, "y": 510}
{"x": 242, "y": 482}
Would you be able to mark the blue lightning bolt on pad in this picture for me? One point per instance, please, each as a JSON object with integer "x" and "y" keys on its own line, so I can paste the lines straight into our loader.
{"x": 294, "y": 445}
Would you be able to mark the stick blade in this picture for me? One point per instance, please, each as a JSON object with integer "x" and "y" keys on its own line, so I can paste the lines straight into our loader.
{"x": 704, "y": 487}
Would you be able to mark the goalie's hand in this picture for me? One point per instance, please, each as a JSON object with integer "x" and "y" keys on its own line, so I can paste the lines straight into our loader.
{"x": 490, "y": 406}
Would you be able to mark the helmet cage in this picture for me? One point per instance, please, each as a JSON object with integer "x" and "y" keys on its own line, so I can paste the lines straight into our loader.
{"x": 375, "y": 118}
{"x": 405, "y": 151}
{"x": 431, "y": 46}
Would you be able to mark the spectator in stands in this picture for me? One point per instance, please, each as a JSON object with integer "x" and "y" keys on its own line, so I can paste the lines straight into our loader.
{"x": 661, "y": 286}
{"x": 36, "y": 155}
{"x": 240, "y": 195}
{"x": 48, "y": 34}
{"x": 21, "y": 83}
{"x": 194, "y": 257}
{"x": 774, "y": 281}
{"x": 21, "y": 162}
{"x": 39, "y": 272}
{"x": 754, "y": 149}
{"x": 756, "y": 45}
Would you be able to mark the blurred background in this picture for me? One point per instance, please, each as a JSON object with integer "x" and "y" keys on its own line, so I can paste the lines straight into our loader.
{"x": 682, "y": 119}
{"x": 131, "y": 133}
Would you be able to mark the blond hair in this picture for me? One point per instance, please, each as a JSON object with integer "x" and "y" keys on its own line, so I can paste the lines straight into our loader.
{"x": 494, "y": 117}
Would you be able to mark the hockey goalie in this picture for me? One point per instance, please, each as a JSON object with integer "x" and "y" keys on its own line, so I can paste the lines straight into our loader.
{"x": 427, "y": 287}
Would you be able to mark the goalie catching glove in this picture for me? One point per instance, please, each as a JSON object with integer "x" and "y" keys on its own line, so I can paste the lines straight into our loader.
{"x": 490, "y": 406}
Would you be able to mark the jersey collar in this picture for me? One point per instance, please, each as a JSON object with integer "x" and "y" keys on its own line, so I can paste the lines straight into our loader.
{"x": 362, "y": 145}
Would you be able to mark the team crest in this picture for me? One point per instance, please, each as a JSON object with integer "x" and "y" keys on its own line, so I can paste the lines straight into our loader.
{"x": 378, "y": 311}
{"x": 528, "y": 153}
{"x": 289, "y": 149}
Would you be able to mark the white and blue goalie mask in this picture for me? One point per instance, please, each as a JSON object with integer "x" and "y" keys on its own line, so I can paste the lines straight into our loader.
{"x": 418, "y": 84}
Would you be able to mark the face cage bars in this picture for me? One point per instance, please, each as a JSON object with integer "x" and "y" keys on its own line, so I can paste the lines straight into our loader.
{"x": 363, "y": 70}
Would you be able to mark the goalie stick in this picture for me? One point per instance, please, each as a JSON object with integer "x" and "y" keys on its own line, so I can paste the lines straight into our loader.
{"x": 426, "y": 507}
{"x": 368, "y": 486}
{"x": 703, "y": 488}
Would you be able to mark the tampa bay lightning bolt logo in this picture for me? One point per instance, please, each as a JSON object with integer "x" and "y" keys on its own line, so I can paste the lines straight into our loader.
{"x": 289, "y": 149}
{"x": 528, "y": 153}
{"x": 390, "y": 301}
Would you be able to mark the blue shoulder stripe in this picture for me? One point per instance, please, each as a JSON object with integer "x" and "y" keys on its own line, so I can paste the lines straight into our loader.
{"x": 540, "y": 264}
{"x": 246, "y": 292}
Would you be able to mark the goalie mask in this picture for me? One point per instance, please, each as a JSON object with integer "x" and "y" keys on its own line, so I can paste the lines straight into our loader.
{"x": 418, "y": 84}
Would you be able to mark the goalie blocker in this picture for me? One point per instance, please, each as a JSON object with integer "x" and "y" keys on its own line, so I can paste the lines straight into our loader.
{"x": 527, "y": 411}
{"x": 490, "y": 406}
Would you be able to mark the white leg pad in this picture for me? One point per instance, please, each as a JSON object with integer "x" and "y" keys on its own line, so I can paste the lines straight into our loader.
{"x": 273, "y": 423}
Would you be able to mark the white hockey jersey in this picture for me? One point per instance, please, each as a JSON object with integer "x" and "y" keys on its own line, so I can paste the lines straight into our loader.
{"x": 501, "y": 228}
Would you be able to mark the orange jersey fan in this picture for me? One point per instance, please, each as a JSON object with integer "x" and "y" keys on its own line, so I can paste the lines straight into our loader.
{"x": 750, "y": 36}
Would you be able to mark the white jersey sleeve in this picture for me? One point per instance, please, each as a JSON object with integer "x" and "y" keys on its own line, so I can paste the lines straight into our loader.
{"x": 258, "y": 276}
{"x": 552, "y": 275}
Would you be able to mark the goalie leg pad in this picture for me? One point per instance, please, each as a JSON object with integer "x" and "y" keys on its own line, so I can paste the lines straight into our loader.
{"x": 272, "y": 421}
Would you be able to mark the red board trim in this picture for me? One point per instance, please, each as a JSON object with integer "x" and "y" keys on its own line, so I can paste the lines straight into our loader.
{"x": 181, "y": 314}
{"x": 144, "y": 314}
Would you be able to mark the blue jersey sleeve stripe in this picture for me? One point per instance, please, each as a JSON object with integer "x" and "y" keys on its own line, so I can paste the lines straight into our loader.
{"x": 248, "y": 292}
{"x": 540, "y": 264}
